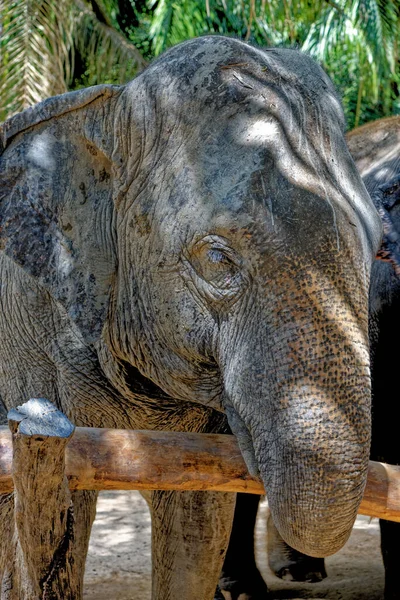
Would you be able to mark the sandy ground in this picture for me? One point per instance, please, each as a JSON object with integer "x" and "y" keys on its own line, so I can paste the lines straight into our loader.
{"x": 119, "y": 568}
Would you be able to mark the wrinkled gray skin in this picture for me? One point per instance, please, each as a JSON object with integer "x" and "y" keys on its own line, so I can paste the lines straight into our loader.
{"x": 375, "y": 148}
{"x": 193, "y": 244}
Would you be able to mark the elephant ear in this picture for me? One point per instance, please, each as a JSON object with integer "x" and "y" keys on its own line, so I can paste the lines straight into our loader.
{"x": 56, "y": 208}
{"x": 387, "y": 200}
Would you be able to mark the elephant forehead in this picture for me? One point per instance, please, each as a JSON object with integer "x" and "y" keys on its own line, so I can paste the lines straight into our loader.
{"x": 203, "y": 63}
{"x": 224, "y": 105}
{"x": 253, "y": 160}
{"x": 222, "y": 115}
{"x": 206, "y": 78}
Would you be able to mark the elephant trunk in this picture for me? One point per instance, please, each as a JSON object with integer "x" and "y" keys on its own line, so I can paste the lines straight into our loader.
{"x": 299, "y": 403}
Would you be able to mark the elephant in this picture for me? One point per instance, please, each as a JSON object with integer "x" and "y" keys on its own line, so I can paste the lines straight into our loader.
{"x": 192, "y": 251}
{"x": 375, "y": 148}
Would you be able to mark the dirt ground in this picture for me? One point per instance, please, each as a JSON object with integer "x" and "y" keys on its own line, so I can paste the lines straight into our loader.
{"x": 119, "y": 568}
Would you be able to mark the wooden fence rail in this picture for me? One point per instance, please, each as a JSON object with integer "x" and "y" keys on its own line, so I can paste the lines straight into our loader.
{"x": 111, "y": 459}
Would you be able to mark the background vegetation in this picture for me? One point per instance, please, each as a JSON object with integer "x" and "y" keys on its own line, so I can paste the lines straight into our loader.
{"x": 50, "y": 46}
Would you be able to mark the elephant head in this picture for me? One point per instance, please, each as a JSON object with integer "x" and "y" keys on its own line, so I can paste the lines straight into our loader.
{"x": 206, "y": 231}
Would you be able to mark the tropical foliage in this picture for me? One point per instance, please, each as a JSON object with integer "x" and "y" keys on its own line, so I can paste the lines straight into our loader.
{"x": 44, "y": 44}
{"x": 48, "y": 46}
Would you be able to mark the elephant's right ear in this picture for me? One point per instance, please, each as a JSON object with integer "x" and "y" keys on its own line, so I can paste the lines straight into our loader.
{"x": 387, "y": 200}
{"x": 56, "y": 206}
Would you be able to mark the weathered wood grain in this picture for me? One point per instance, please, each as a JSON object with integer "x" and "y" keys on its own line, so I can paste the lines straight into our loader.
{"x": 43, "y": 513}
{"x": 382, "y": 493}
{"x": 99, "y": 459}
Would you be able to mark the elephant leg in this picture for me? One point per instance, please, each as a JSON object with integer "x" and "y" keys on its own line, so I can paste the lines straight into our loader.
{"x": 84, "y": 503}
{"x": 390, "y": 536}
{"x": 190, "y": 535}
{"x": 14, "y": 582}
{"x": 289, "y": 564}
{"x": 240, "y": 578}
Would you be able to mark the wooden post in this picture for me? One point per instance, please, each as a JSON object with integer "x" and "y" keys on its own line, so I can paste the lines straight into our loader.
{"x": 43, "y": 510}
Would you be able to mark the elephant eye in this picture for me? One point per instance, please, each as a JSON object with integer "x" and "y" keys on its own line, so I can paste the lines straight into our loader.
{"x": 216, "y": 256}
{"x": 219, "y": 270}
{"x": 218, "y": 266}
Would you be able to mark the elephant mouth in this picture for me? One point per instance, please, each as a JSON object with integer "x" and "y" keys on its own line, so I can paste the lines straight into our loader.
{"x": 245, "y": 441}
{"x": 140, "y": 385}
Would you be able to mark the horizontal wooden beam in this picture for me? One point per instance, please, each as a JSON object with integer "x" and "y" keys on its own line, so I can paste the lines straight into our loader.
{"x": 121, "y": 459}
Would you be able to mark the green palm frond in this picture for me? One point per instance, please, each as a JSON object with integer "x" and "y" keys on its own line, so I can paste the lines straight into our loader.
{"x": 39, "y": 39}
{"x": 365, "y": 34}
{"x": 170, "y": 22}
{"x": 110, "y": 57}
{"x": 35, "y": 40}
{"x": 377, "y": 21}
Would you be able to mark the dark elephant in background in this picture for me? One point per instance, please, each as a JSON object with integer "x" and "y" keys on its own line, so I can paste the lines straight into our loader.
{"x": 375, "y": 148}
{"x": 184, "y": 252}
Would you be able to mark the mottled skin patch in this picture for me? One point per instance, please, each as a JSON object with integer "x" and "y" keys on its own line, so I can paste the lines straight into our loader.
{"x": 172, "y": 289}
